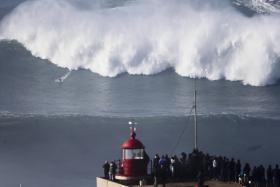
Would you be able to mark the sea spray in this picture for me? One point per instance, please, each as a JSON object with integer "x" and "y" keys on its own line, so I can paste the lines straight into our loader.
{"x": 148, "y": 37}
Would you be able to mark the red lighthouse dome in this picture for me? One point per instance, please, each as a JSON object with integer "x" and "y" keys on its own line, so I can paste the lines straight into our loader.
{"x": 132, "y": 142}
{"x": 134, "y": 159}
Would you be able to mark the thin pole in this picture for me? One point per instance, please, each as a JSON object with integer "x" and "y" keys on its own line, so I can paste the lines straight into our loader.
{"x": 195, "y": 118}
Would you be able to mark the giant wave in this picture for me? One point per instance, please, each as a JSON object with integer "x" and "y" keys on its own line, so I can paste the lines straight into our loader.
{"x": 202, "y": 40}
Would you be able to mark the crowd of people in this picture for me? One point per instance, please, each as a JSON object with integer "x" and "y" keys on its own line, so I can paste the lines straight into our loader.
{"x": 198, "y": 166}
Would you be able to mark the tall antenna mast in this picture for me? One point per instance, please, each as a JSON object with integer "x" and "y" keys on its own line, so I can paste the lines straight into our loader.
{"x": 195, "y": 117}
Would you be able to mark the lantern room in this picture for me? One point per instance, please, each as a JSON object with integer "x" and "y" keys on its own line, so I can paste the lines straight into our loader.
{"x": 134, "y": 159}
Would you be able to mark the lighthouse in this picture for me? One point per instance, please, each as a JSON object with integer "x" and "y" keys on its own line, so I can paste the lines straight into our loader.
{"x": 134, "y": 163}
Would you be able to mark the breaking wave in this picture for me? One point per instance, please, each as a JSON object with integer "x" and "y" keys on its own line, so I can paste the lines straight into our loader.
{"x": 147, "y": 37}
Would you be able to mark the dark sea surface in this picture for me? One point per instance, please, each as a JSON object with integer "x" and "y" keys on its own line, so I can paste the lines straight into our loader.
{"x": 59, "y": 133}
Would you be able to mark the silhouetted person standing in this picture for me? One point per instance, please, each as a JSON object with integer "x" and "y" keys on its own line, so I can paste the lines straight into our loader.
{"x": 237, "y": 170}
{"x": 173, "y": 167}
{"x": 156, "y": 169}
{"x": 247, "y": 169}
{"x": 231, "y": 170}
{"x": 254, "y": 177}
{"x": 269, "y": 176}
{"x": 215, "y": 169}
{"x": 106, "y": 167}
{"x": 261, "y": 176}
{"x": 276, "y": 176}
{"x": 112, "y": 171}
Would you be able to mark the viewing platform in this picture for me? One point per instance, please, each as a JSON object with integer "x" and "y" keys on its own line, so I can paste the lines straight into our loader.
{"x": 101, "y": 182}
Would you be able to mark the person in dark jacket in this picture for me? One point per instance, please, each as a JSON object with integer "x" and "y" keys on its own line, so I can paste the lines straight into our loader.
{"x": 247, "y": 169}
{"x": 156, "y": 168}
{"x": 261, "y": 175}
{"x": 255, "y": 177}
{"x": 276, "y": 176}
{"x": 269, "y": 176}
{"x": 162, "y": 174}
{"x": 231, "y": 170}
{"x": 106, "y": 167}
{"x": 155, "y": 163}
{"x": 237, "y": 170}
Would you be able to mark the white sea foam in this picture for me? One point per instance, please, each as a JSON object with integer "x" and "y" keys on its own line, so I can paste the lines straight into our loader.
{"x": 149, "y": 36}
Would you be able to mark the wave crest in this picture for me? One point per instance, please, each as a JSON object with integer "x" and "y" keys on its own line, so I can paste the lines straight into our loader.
{"x": 148, "y": 37}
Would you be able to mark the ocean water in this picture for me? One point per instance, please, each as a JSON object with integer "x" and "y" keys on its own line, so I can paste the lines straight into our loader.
{"x": 73, "y": 73}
